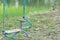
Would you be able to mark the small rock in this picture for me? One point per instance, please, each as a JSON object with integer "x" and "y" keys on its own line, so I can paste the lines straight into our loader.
{"x": 28, "y": 17}
{"x": 38, "y": 21}
{"x": 37, "y": 29}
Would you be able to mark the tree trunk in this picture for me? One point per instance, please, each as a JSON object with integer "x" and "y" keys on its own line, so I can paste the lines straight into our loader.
{"x": 46, "y": 2}
{"x": 16, "y": 4}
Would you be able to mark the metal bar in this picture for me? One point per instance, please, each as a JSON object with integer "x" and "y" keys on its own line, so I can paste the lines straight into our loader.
{"x": 4, "y": 13}
{"x": 24, "y": 7}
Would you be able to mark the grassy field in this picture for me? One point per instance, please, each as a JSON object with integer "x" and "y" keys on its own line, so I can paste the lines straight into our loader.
{"x": 13, "y": 13}
{"x": 44, "y": 26}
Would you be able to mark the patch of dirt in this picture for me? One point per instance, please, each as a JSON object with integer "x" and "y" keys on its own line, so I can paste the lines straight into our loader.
{"x": 57, "y": 26}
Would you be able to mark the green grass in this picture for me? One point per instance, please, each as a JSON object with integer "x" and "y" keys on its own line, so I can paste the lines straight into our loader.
{"x": 18, "y": 11}
{"x": 13, "y": 12}
{"x": 46, "y": 26}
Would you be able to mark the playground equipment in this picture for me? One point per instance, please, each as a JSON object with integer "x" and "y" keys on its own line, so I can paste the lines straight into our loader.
{"x": 12, "y": 33}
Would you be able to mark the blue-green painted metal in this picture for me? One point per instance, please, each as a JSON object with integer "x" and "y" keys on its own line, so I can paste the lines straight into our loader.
{"x": 24, "y": 16}
{"x": 28, "y": 23}
{"x": 21, "y": 22}
{"x": 4, "y": 14}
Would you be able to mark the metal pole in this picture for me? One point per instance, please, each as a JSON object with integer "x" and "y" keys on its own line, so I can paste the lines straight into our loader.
{"x": 24, "y": 8}
{"x": 4, "y": 13}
